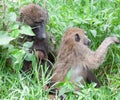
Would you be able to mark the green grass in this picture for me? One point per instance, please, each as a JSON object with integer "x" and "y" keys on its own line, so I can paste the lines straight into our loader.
{"x": 100, "y": 18}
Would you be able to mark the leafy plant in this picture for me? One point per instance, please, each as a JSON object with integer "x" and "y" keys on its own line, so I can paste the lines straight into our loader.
{"x": 100, "y": 18}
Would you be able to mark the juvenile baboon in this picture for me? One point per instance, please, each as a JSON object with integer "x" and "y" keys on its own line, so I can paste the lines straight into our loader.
{"x": 74, "y": 53}
{"x": 36, "y": 17}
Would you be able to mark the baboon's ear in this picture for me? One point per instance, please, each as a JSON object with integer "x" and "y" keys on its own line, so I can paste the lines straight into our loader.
{"x": 20, "y": 18}
{"x": 77, "y": 37}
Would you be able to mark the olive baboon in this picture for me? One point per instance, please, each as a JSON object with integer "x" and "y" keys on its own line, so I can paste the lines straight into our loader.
{"x": 36, "y": 17}
{"x": 74, "y": 53}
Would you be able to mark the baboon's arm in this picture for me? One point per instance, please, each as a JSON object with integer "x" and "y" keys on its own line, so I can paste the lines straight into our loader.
{"x": 95, "y": 59}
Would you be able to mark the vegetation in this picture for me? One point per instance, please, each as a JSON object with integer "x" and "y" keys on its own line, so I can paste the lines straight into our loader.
{"x": 100, "y": 18}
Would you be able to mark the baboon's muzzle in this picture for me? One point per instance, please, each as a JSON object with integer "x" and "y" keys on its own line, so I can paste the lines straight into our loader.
{"x": 87, "y": 42}
{"x": 40, "y": 32}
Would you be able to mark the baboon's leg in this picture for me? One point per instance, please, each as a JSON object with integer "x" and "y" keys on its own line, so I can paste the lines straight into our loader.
{"x": 92, "y": 78}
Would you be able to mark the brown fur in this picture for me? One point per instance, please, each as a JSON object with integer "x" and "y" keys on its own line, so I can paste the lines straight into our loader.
{"x": 32, "y": 14}
{"x": 36, "y": 17}
{"x": 77, "y": 55}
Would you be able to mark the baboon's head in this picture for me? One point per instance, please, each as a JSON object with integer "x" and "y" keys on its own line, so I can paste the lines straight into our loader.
{"x": 36, "y": 17}
{"x": 75, "y": 36}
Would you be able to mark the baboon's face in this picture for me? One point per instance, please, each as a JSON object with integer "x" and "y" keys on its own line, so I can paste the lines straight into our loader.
{"x": 76, "y": 36}
{"x": 36, "y": 17}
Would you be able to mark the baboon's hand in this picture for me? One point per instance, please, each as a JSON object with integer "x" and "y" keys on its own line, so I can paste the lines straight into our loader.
{"x": 40, "y": 55}
{"x": 113, "y": 39}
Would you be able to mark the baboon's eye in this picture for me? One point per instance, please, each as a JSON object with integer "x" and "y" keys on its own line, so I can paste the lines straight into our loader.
{"x": 39, "y": 22}
{"x": 77, "y": 37}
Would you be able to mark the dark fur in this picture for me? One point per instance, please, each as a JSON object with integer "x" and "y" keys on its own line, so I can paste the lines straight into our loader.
{"x": 36, "y": 17}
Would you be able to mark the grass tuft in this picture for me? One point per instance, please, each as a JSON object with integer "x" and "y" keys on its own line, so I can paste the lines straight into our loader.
{"x": 100, "y": 18}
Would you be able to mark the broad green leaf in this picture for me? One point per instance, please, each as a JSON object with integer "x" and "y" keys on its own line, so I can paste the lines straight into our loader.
{"x": 63, "y": 90}
{"x": 67, "y": 87}
{"x": 29, "y": 56}
{"x": 17, "y": 58}
{"x": 12, "y": 16}
{"x": 69, "y": 74}
{"x": 18, "y": 54}
{"x": 94, "y": 32}
{"x": 5, "y": 39}
{"x": 26, "y": 30}
{"x": 27, "y": 45}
